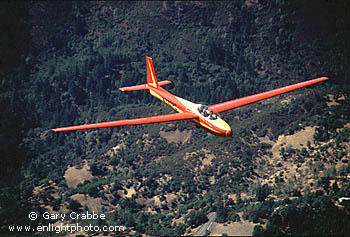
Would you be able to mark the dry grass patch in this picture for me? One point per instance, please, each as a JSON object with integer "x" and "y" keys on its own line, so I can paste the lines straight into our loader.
{"x": 179, "y": 220}
{"x": 332, "y": 101}
{"x": 97, "y": 205}
{"x": 164, "y": 179}
{"x": 170, "y": 197}
{"x": 53, "y": 191}
{"x": 176, "y": 136}
{"x": 191, "y": 232}
{"x": 75, "y": 176}
{"x": 207, "y": 160}
{"x": 297, "y": 140}
{"x": 243, "y": 228}
{"x": 131, "y": 191}
{"x": 114, "y": 150}
{"x": 266, "y": 140}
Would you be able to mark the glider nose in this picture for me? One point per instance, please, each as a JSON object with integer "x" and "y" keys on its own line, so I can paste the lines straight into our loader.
{"x": 228, "y": 133}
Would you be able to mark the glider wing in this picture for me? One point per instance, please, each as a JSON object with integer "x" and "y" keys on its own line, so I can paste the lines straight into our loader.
{"x": 147, "y": 120}
{"x": 265, "y": 95}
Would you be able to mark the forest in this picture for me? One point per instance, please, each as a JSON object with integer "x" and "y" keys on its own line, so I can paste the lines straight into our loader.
{"x": 62, "y": 63}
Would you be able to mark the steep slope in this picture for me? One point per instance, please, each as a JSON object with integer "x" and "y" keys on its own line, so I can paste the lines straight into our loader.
{"x": 145, "y": 178}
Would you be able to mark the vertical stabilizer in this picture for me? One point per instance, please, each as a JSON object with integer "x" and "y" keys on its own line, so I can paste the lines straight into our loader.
{"x": 151, "y": 75}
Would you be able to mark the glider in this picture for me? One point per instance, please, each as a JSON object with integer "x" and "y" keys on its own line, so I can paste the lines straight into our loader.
{"x": 202, "y": 115}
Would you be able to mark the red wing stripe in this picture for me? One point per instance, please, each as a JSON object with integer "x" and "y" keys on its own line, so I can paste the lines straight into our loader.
{"x": 265, "y": 95}
{"x": 147, "y": 120}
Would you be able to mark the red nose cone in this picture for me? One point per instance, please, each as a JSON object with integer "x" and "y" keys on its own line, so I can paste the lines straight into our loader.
{"x": 229, "y": 133}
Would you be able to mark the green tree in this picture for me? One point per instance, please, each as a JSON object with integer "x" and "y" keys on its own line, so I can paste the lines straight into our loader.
{"x": 258, "y": 230}
{"x": 262, "y": 192}
{"x": 74, "y": 205}
{"x": 221, "y": 212}
{"x": 196, "y": 218}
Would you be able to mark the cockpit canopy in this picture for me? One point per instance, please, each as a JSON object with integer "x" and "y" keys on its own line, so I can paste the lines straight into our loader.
{"x": 203, "y": 109}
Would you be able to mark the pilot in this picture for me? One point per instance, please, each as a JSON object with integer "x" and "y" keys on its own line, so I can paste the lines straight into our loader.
{"x": 201, "y": 108}
{"x": 212, "y": 116}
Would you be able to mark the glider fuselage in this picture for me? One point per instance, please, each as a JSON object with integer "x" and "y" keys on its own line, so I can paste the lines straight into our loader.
{"x": 214, "y": 125}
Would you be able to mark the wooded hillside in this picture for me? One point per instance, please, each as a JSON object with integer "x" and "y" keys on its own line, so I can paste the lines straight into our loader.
{"x": 62, "y": 63}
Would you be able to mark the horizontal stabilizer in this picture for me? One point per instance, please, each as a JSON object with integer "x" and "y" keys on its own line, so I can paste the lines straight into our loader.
{"x": 147, "y": 120}
{"x": 143, "y": 86}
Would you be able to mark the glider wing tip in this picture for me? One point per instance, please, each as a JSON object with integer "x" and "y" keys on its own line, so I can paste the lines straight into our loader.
{"x": 324, "y": 79}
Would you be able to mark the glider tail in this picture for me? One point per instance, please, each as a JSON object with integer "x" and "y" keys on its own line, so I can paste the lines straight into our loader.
{"x": 151, "y": 74}
{"x": 152, "y": 81}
